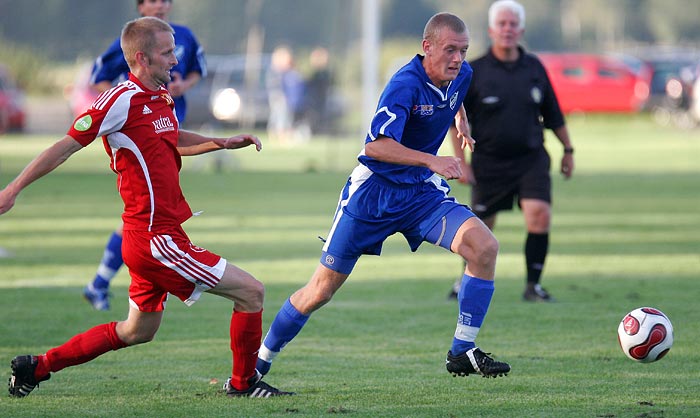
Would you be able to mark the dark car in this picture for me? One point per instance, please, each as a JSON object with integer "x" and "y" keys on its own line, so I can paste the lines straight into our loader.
{"x": 12, "y": 113}
{"x": 665, "y": 64}
{"x": 679, "y": 104}
{"x": 232, "y": 93}
{"x": 223, "y": 97}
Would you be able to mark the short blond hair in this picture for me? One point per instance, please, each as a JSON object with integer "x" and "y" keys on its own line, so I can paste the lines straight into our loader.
{"x": 140, "y": 35}
{"x": 440, "y": 21}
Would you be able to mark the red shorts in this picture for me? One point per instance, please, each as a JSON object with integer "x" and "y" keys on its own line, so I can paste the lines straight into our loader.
{"x": 168, "y": 263}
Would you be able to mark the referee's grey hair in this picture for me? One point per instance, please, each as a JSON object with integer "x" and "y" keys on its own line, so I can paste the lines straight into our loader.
{"x": 443, "y": 20}
{"x": 510, "y": 5}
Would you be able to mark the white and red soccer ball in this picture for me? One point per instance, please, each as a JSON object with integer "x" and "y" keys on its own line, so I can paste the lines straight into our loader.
{"x": 645, "y": 335}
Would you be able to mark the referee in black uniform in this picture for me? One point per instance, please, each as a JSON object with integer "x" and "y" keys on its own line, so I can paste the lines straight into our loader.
{"x": 509, "y": 104}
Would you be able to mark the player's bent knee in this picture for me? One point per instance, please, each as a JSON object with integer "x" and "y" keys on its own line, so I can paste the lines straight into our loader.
{"x": 311, "y": 302}
{"x": 135, "y": 337}
{"x": 489, "y": 248}
{"x": 142, "y": 339}
{"x": 314, "y": 295}
{"x": 250, "y": 298}
{"x": 241, "y": 287}
{"x": 323, "y": 297}
{"x": 256, "y": 295}
{"x": 482, "y": 251}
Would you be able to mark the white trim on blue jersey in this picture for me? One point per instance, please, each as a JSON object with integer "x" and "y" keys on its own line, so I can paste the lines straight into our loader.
{"x": 392, "y": 117}
{"x": 417, "y": 114}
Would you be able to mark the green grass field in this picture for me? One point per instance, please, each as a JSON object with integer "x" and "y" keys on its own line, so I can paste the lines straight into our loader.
{"x": 626, "y": 233}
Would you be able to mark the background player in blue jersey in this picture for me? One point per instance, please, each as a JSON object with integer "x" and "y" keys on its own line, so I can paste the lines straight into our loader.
{"x": 397, "y": 188}
{"x": 111, "y": 68}
{"x": 509, "y": 103}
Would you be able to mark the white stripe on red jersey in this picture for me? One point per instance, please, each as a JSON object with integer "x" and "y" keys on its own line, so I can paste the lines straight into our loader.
{"x": 142, "y": 146}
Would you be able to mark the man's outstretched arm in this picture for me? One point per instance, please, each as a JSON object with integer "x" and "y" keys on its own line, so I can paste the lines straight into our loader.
{"x": 41, "y": 165}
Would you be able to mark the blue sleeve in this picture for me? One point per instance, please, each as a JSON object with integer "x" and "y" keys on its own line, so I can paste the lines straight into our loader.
{"x": 192, "y": 59}
{"x": 393, "y": 110}
{"x": 110, "y": 66}
{"x": 200, "y": 64}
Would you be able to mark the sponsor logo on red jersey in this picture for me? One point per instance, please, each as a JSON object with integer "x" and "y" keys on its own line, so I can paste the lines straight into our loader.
{"x": 83, "y": 124}
{"x": 163, "y": 124}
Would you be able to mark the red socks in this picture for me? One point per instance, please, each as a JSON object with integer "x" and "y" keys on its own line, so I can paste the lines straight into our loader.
{"x": 246, "y": 333}
{"x": 80, "y": 349}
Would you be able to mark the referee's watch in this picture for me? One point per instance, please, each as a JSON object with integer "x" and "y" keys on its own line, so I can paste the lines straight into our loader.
{"x": 568, "y": 150}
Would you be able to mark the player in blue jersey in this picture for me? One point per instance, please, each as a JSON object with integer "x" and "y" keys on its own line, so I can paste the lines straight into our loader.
{"x": 111, "y": 68}
{"x": 400, "y": 186}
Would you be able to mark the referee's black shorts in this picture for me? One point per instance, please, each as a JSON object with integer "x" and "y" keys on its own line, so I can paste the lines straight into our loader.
{"x": 502, "y": 181}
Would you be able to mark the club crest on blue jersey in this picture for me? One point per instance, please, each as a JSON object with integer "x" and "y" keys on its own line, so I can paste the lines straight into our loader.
{"x": 423, "y": 110}
{"x": 453, "y": 100}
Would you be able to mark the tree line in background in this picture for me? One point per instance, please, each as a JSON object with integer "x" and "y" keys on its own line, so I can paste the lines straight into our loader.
{"x": 36, "y": 33}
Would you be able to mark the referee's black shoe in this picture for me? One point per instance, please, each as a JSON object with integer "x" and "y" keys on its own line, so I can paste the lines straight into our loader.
{"x": 455, "y": 290}
{"x": 536, "y": 293}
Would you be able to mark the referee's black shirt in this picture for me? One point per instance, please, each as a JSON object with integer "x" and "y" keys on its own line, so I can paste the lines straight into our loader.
{"x": 508, "y": 104}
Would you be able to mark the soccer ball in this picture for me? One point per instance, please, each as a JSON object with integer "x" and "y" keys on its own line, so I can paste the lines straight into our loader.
{"x": 645, "y": 335}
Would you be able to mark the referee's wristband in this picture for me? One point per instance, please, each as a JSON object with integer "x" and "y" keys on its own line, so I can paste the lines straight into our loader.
{"x": 568, "y": 150}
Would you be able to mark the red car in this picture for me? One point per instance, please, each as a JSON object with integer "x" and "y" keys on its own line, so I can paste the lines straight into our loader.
{"x": 12, "y": 115}
{"x": 596, "y": 83}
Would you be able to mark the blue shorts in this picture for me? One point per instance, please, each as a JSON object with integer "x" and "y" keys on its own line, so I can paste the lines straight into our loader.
{"x": 371, "y": 209}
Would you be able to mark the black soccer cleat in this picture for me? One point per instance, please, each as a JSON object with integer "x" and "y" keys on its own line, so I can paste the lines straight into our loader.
{"x": 475, "y": 361}
{"x": 22, "y": 381}
{"x": 257, "y": 389}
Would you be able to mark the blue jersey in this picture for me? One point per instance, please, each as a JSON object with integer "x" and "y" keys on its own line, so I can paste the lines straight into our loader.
{"x": 417, "y": 114}
{"x": 111, "y": 66}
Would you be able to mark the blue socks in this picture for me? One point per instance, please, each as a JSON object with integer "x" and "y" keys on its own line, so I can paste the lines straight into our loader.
{"x": 110, "y": 264}
{"x": 286, "y": 325}
{"x": 474, "y": 300}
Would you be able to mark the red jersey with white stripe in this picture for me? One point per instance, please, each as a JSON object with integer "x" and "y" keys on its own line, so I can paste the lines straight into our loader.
{"x": 140, "y": 133}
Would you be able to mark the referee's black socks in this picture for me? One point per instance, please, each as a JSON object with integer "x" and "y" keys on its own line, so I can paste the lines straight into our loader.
{"x": 536, "y": 247}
